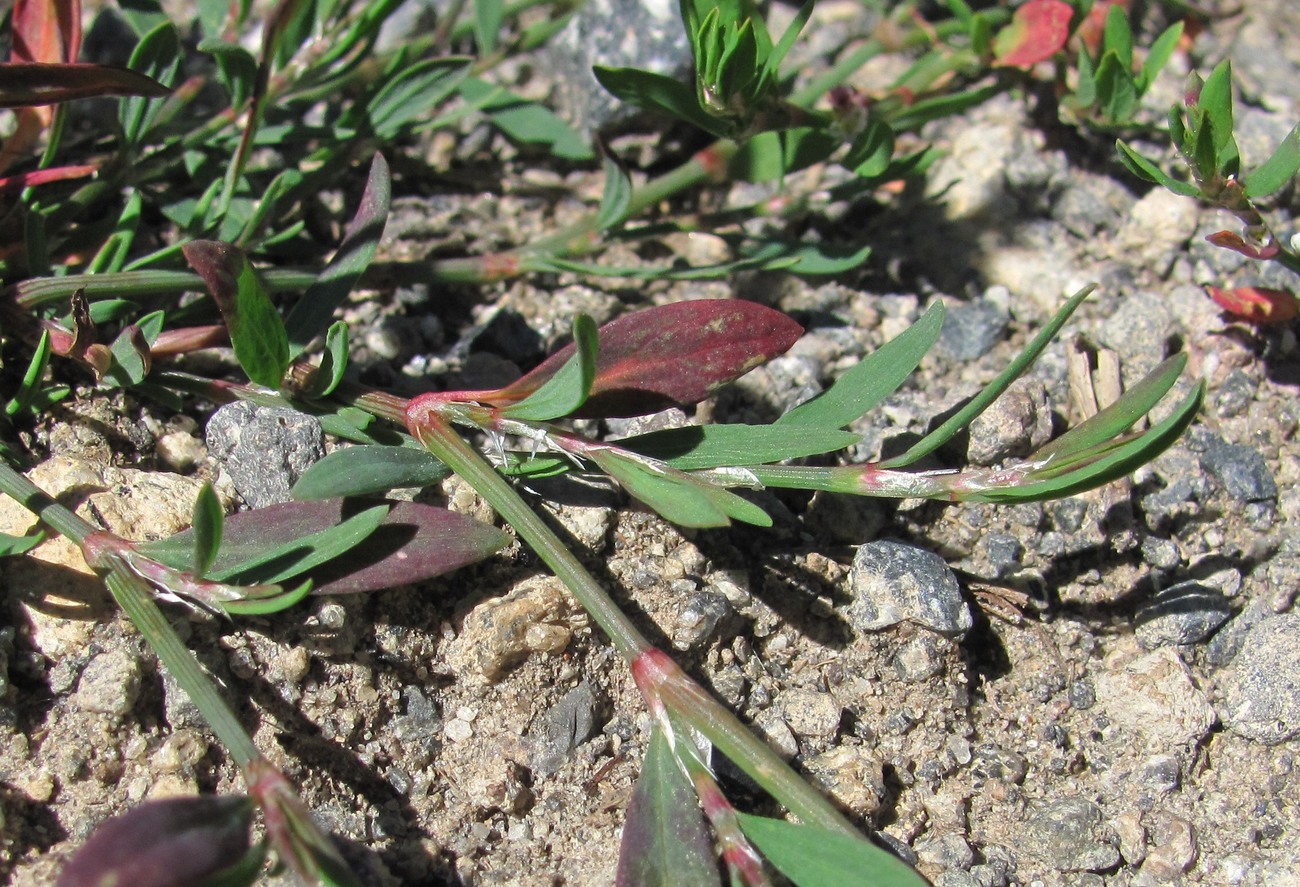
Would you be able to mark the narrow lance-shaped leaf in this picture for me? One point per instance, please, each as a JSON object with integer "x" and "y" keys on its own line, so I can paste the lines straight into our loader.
{"x": 565, "y": 391}
{"x": 367, "y": 470}
{"x": 671, "y": 355}
{"x": 157, "y": 56}
{"x": 256, "y": 331}
{"x": 207, "y": 523}
{"x": 616, "y": 197}
{"x": 698, "y": 447}
{"x": 811, "y": 856}
{"x": 678, "y": 497}
{"x": 333, "y": 363}
{"x": 310, "y": 317}
{"x": 875, "y": 377}
{"x": 1118, "y": 417}
{"x": 665, "y": 839}
{"x": 49, "y": 84}
{"x": 978, "y": 404}
{"x": 297, "y": 557}
{"x": 1278, "y": 169}
{"x": 413, "y": 543}
{"x": 1145, "y": 169}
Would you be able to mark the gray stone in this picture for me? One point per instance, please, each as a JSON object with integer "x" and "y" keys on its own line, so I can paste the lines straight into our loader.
{"x": 615, "y": 33}
{"x": 1069, "y": 836}
{"x": 1186, "y": 613}
{"x": 264, "y": 449}
{"x": 1227, "y": 641}
{"x": 921, "y": 658}
{"x": 971, "y": 330}
{"x": 1261, "y": 698}
{"x": 699, "y": 619}
{"x": 950, "y": 851}
{"x": 991, "y": 761}
{"x": 891, "y": 583}
{"x": 1240, "y": 469}
{"x": 110, "y": 683}
{"x": 1018, "y": 422}
{"x": 1139, "y": 327}
{"x": 811, "y": 713}
{"x": 567, "y": 724}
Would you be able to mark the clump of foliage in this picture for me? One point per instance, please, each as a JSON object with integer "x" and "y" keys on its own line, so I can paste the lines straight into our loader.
{"x": 237, "y": 183}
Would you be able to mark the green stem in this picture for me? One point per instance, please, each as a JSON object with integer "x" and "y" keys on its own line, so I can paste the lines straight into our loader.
{"x": 443, "y": 441}
{"x": 134, "y": 596}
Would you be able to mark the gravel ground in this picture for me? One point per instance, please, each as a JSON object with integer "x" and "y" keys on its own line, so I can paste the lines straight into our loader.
{"x": 1098, "y": 692}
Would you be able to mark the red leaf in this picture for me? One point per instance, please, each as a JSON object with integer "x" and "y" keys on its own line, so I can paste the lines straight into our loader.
{"x": 164, "y": 843}
{"x": 415, "y": 542}
{"x": 43, "y": 32}
{"x": 42, "y": 176}
{"x": 1091, "y": 29}
{"x": 1237, "y": 243}
{"x": 1257, "y": 305}
{"x": 1038, "y": 30}
{"x": 671, "y": 355}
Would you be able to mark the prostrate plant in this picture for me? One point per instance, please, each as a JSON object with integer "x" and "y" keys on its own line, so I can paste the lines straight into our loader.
{"x": 1201, "y": 129}
{"x": 318, "y": 57}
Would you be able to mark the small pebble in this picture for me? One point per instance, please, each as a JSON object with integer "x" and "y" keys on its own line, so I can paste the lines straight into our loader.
{"x": 1186, "y": 613}
{"x": 567, "y": 724}
{"x": 110, "y": 683}
{"x": 971, "y": 330}
{"x": 1017, "y": 423}
{"x": 1069, "y": 836}
{"x": 1261, "y": 698}
{"x": 811, "y": 713}
{"x": 892, "y": 583}
{"x": 264, "y": 449}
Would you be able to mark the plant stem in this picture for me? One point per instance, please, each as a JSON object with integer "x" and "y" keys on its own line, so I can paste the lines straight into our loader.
{"x": 443, "y": 441}
{"x": 134, "y": 596}
{"x": 659, "y": 678}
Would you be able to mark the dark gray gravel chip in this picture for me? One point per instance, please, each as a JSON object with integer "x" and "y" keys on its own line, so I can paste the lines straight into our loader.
{"x": 1261, "y": 698}
{"x": 1069, "y": 836}
{"x": 971, "y": 330}
{"x": 891, "y": 583}
{"x": 1186, "y": 613}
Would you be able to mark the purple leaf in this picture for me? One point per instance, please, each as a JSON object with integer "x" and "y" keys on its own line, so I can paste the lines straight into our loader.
{"x": 256, "y": 331}
{"x": 414, "y": 542}
{"x": 665, "y": 839}
{"x": 167, "y": 843}
{"x": 670, "y": 355}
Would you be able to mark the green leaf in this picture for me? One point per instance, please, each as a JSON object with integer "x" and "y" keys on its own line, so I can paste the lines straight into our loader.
{"x": 1145, "y": 169}
{"x": 711, "y": 446}
{"x": 787, "y": 41}
{"x": 414, "y": 93}
{"x": 978, "y": 404}
{"x": 1117, "y": 94}
{"x": 1215, "y": 102}
{"x": 14, "y": 545}
{"x": 1277, "y": 170}
{"x": 31, "y": 83}
{"x": 275, "y": 602}
{"x": 812, "y": 856}
{"x": 367, "y": 470}
{"x": 311, "y": 316}
{"x": 657, "y": 92}
{"x": 157, "y": 56}
{"x": 208, "y": 521}
{"x": 617, "y": 196}
{"x": 1107, "y": 462}
{"x": 236, "y": 69}
{"x": 256, "y": 331}
{"x": 1119, "y": 417}
{"x": 666, "y": 842}
{"x": 1117, "y": 36}
{"x": 131, "y": 358}
{"x": 30, "y": 387}
{"x": 1158, "y": 56}
{"x": 568, "y": 389}
{"x": 678, "y": 497}
{"x": 875, "y": 377}
{"x": 334, "y": 362}
{"x": 300, "y": 555}
{"x": 523, "y": 121}
{"x": 872, "y": 150}
{"x": 488, "y": 15}
{"x": 803, "y": 258}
